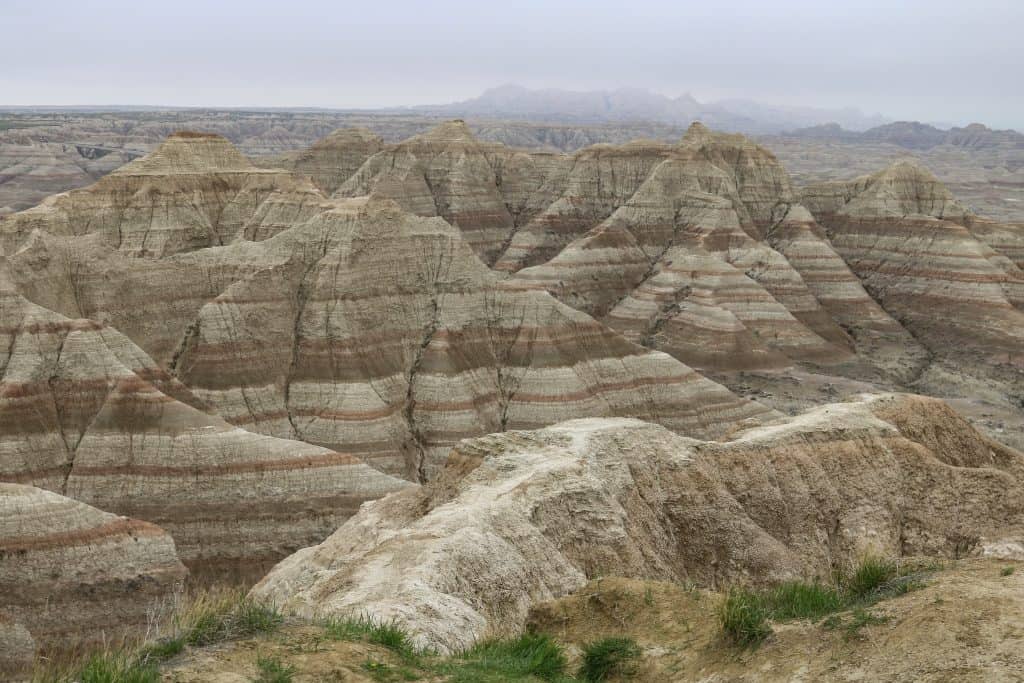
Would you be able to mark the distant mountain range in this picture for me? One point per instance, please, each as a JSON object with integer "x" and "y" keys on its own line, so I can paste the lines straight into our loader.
{"x": 632, "y": 104}
{"x": 915, "y": 135}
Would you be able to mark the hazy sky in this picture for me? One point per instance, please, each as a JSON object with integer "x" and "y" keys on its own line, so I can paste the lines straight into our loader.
{"x": 933, "y": 60}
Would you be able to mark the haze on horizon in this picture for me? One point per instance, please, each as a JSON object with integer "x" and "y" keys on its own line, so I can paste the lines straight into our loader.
{"x": 929, "y": 60}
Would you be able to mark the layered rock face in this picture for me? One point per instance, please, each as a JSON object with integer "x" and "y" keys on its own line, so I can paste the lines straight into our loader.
{"x": 17, "y": 649}
{"x": 912, "y": 245}
{"x": 85, "y": 412}
{"x": 522, "y": 517}
{"x": 70, "y": 573}
{"x": 331, "y": 161}
{"x": 445, "y": 172}
{"x": 193, "y": 191}
{"x": 379, "y": 333}
{"x": 685, "y": 264}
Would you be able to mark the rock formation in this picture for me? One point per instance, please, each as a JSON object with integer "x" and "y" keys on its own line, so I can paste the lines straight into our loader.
{"x": 194, "y": 191}
{"x": 84, "y": 412}
{"x": 912, "y": 246}
{"x": 17, "y": 649}
{"x": 70, "y": 573}
{"x": 331, "y": 161}
{"x": 521, "y": 517}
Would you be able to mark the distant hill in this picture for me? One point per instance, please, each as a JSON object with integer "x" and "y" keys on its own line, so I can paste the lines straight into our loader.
{"x": 917, "y": 136}
{"x": 633, "y": 104}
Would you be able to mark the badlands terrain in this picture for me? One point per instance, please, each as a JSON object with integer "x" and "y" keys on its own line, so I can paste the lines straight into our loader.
{"x": 448, "y": 386}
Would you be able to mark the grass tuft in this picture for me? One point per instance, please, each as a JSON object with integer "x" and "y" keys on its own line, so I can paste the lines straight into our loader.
{"x": 800, "y": 600}
{"x": 273, "y": 670}
{"x": 743, "y": 618}
{"x": 215, "y": 618}
{"x": 609, "y": 657}
{"x": 117, "y": 667}
{"x": 1006, "y": 571}
{"x": 529, "y": 655}
{"x": 868, "y": 577}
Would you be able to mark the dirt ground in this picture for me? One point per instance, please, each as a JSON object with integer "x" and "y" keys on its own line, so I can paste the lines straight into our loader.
{"x": 966, "y": 623}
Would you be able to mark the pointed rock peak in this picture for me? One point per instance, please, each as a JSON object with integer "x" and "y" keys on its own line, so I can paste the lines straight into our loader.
{"x": 907, "y": 171}
{"x": 455, "y": 130}
{"x": 696, "y": 132}
{"x": 190, "y": 152}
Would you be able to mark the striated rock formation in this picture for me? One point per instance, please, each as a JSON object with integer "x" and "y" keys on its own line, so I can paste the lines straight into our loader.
{"x": 17, "y": 649}
{"x": 379, "y": 333}
{"x": 912, "y": 245}
{"x": 84, "y": 411}
{"x": 444, "y": 172}
{"x": 194, "y": 191}
{"x": 70, "y": 573}
{"x": 522, "y": 517}
{"x": 331, "y": 161}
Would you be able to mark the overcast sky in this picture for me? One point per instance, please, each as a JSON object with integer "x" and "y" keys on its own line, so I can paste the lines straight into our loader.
{"x": 931, "y": 60}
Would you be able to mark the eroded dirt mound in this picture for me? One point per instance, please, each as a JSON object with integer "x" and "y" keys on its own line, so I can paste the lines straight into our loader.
{"x": 522, "y": 517}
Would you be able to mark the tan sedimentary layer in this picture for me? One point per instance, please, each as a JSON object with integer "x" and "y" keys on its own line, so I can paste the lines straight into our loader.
{"x": 85, "y": 412}
{"x": 70, "y": 573}
{"x": 523, "y": 517}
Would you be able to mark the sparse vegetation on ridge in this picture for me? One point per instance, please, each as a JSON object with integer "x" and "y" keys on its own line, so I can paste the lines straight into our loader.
{"x": 745, "y": 613}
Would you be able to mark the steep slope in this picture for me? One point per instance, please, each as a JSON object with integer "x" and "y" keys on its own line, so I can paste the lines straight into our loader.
{"x": 528, "y": 516}
{"x": 84, "y": 412}
{"x": 911, "y": 244}
{"x": 332, "y": 160}
{"x": 444, "y": 172}
{"x": 689, "y": 257}
{"x": 381, "y": 334}
{"x": 72, "y": 574}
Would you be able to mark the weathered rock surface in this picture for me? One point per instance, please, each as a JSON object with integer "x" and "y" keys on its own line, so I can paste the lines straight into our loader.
{"x": 522, "y": 517}
{"x": 194, "y": 191}
{"x": 84, "y": 412}
{"x": 912, "y": 246}
{"x": 17, "y": 649}
{"x": 331, "y": 161}
{"x": 70, "y": 573}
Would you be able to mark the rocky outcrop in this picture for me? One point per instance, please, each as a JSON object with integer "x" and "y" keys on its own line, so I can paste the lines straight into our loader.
{"x": 84, "y": 412}
{"x": 444, "y": 172}
{"x": 331, "y": 161}
{"x": 910, "y": 243}
{"x": 72, "y": 574}
{"x": 194, "y": 191}
{"x": 522, "y": 517}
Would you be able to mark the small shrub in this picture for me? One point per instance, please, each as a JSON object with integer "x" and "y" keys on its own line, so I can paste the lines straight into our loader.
{"x": 272, "y": 670}
{"x": 608, "y": 656}
{"x": 743, "y": 618}
{"x": 393, "y": 637}
{"x": 117, "y": 667}
{"x": 1006, "y": 571}
{"x": 869, "y": 576}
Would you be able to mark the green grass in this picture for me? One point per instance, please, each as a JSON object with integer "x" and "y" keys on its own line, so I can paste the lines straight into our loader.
{"x": 746, "y": 615}
{"x": 117, "y": 667}
{"x": 338, "y": 628}
{"x": 800, "y": 600}
{"x": 609, "y": 657}
{"x": 273, "y": 670}
{"x": 529, "y": 657}
{"x": 1006, "y": 571}
{"x": 743, "y": 618}
{"x": 219, "y": 618}
{"x": 868, "y": 577}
